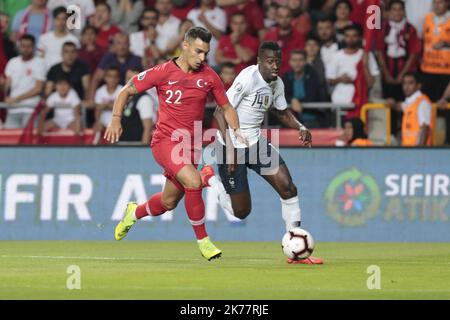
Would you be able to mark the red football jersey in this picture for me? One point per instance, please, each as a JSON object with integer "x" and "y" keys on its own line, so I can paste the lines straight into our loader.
{"x": 182, "y": 96}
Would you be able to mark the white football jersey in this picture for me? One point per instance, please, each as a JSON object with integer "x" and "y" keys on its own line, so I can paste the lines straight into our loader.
{"x": 252, "y": 96}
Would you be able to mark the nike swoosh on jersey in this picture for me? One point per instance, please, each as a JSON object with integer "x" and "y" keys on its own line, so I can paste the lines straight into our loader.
{"x": 172, "y": 82}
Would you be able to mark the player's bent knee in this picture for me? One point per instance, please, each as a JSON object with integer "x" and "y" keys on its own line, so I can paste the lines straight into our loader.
{"x": 170, "y": 204}
{"x": 194, "y": 183}
{"x": 289, "y": 191}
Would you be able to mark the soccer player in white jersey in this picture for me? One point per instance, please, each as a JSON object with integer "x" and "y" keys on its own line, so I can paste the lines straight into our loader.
{"x": 254, "y": 91}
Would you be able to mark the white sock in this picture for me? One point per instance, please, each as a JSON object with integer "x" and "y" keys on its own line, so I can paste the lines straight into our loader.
{"x": 223, "y": 196}
{"x": 290, "y": 211}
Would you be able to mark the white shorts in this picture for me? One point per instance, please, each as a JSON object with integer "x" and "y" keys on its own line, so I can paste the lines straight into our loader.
{"x": 63, "y": 122}
{"x": 105, "y": 117}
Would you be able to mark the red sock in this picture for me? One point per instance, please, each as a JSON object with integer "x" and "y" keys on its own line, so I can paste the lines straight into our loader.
{"x": 153, "y": 207}
{"x": 196, "y": 211}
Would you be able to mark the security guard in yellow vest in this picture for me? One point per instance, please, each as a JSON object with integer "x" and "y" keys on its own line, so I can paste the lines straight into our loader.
{"x": 417, "y": 122}
{"x": 436, "y": 54}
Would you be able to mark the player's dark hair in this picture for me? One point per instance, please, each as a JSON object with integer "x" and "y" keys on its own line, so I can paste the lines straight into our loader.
{"x": 268, "y": 46}
{"x": 298, "y": 51}
{"x": 354, "y": 27}
{"x": 28, "y": 37}
{"x": 69, "y": 44}
{"x": 400, "y": 2}
{"x": 58, "y": 10}
{"x": 414, "y": 75}
{"x": 198, "y": 33}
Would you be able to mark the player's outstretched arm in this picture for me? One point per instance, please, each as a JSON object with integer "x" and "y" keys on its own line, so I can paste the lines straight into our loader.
{"x": 232, "y": 120}
{"x": 289, "y": 121}
{"x": 114, "y": 129}
{"x": 222, "y": 124}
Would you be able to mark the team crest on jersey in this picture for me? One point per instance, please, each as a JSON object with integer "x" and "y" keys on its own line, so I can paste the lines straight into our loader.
{"x": 141, "y": 75}
{"x": 201, "y": 83}
{"x": 238, "y": 87}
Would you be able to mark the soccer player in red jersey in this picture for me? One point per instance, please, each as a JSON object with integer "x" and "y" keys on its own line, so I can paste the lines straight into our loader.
{"x": 183, "y": 85}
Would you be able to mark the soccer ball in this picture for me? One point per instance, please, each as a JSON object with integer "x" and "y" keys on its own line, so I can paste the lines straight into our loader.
{"x": 297, "y": 244}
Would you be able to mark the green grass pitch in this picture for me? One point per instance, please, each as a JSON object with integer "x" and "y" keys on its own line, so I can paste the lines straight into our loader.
{"x": 247, "y": 270}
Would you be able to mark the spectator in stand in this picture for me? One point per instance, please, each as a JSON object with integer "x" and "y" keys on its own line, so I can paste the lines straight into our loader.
{"x": 342, "y": 11}
{"x": 9, "y": 48}
{"x": 78, "y": 73}
{"x": 326, "y": 34}
{"x": 174, "y": 45}
{"x": 101, "y": 20}
{"x": 66, "y": 106}
{"x": 416, "y": 12}
{"x": 312, "y": 49}
{"x": 302, "y": 84}
{"x": 143, "y": 42}
{"x": 104, "y": 101}
{"x": 25, "y": 76}
{"x": 126, "y": 13}
{"x": 301, "y": 19}
{"x": 119, "y": 57}
{"x": 358, "y": 11}
{"x": 50, "y": 44}
{"x": 320, "y": 9}
{"x": 417, "y": 122}
{"x": 350, "y": 74}
{"x": 11, "y": 7}
{"x": 181, "y": 8}
{"x": 139, "y": 116}
{"x": 71, "y": 68}
{"x": 213, "y": 18}
{"x": 270, "y": 15}
{"x": 35, "y": 20}
{"x": 90, "y": 53}
{"x": 354, "y": 134}
{"x": 239, "y": 47}
{"x": 7, "y": 52}
{"x": 436, "y": 57}
{"x": 86, "y": 7}
{"x": 445, "y": 99}
{"x": 287, "y": 37}
{"x": 251, "y": 10}
{"x": 167, "y": 28}
{"x": 227, "y": 73}
{"x": 398, "y": 48}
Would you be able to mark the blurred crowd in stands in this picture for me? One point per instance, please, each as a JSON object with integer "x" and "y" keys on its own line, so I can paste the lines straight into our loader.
{"x": 70, "y": 58}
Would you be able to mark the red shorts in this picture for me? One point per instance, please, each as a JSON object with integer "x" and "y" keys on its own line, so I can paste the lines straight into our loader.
{"x": 172, "y": 156}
